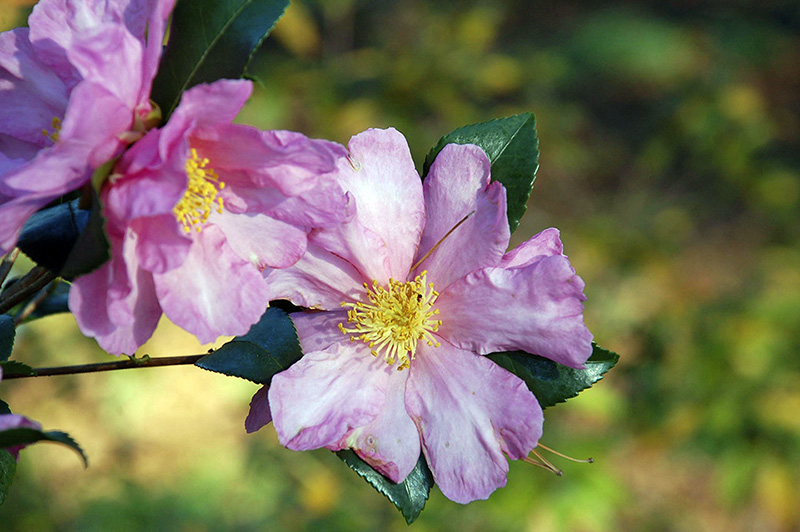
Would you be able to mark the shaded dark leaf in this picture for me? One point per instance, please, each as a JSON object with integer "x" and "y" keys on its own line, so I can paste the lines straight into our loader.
{"x": 211, "y": 40}
{"x": 269, "y": 347}
{"x": 26, "y": 435}
{"x": 551, "y": 382}
{"x": 409, "y": 496}
{"x": 8, "y": 466}
{"x": 12, "y": 367}
{"x": 7, "y": 334}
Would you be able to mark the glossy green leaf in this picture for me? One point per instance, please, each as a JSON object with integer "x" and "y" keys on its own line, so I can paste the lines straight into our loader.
{"x": 551, "y": 382}
{"x": 211, "y": 40}
{"x": 26, "y": 435}
{"x": 269, "y": 347}
{"x": 512, "y": 146}
{"x": 7, "y": 334}
{"x": 12, "y": 367}
{"x": 8, "y": 466}
{"x": 409, "y": 495}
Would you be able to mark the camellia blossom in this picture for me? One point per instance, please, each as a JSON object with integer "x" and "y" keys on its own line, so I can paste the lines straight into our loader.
{"x": 75, "y": 90}
{"x": 416, "y": 287}
{"x": 194, "y": 212}
{"x": 14, "y": 421}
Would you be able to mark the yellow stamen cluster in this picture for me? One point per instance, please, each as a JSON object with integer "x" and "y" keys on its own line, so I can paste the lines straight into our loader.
{"x": 200, "y": 197}
{"x": 395, "y": 319}
{"x": 55, "y": 125}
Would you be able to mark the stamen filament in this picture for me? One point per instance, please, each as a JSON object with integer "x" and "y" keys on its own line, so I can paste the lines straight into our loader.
{"x": 436, "y": 245}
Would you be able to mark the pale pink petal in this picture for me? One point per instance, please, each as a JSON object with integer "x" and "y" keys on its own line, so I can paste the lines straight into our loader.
{"x": 14, "y": 212}
{"x": 260, "y": 239}
{"x": 162, "y": 243}
{"x": 31, "y": 94}
{"x": 159, "y": 11}
{"x": 543, "y": 244}
{"x": 390, "y": 442}
{"x": 259, "y": 414}
{"x": 326, "y": 394}
{"x": 469, "y": 411}
{"x": 379, "y": 175}
{"x": 319, "y": 330}
{"x": 457, "y": 185}
{"x": 319, "y": 280}
{"x": 214, "y": 292}
{"x": 116, "y": 303}
{"x": 537, "y": 308}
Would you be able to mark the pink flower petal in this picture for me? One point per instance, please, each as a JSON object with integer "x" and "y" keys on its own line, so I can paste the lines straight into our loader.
{"x": 319, "y": 330}
{"x": 214, "y": 292}
{"x": 390, "y": 442}
{"x": 161, "y": 244}
{"x": 260, "y": 239}
{"x": 116, "y": 303}
{"x": 544, "y": 244}
{"x": 379, "y": 175}
{"x": 259, "y": 414}
{"x": 457, "y": 185}
{"x": 319, "y": 280}
{"x": 326, "y": 394}
{"x": 469, "y": 411}
{"x": 536, "y": 308}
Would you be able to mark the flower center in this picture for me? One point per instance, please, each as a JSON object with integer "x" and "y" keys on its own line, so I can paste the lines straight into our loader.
{"x": 200, "y": 197}
{"x": 395, "y": 319}
{"x": 55, "y": 126}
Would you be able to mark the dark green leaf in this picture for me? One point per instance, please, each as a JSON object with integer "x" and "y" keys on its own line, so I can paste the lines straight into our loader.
{"x": 551, "y": 382}
{"x": 409, "y": 495}
{"x": 66, "y": 239}
{"x": 513, "y": 149}
{"x": 12, "y": 367}
{"x": 211, "y": 40}
{"x": 24, "y": 436}
{"x": 4, "y": 409}
{"x": 7, "y": 334}
{"x": 269, "y": 347}
{"x": 8, "y": 465}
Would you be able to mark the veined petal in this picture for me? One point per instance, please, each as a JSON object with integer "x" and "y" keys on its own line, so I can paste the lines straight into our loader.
{"x": 319, "y": 280}
{"x": 390, "y": 442}
{"x": 537, "y": 308}
{"x": 214, "y": 292}
{"x": 116, "y": 303}
{"x": 379, "y": 175}
{"x": 161, "y": 244}
{"x": 544, "y": 244}
{"x": 469, "y": 411}
{"x": 458, "y": 184}
{"x": 260, "y": 239}
{"x": 326, "y": 394}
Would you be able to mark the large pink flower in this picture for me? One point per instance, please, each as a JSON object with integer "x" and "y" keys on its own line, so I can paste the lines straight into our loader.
{"x": 194, "y": 212}
{"x": 14, "y": 421}
{"x": 75, "y": 90}
{"x": 395, "y": 363}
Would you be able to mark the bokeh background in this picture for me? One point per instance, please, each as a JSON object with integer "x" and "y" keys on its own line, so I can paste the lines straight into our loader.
{"x": 669, "y": 160}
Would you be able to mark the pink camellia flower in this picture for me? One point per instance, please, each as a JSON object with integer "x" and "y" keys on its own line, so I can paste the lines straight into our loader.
{"x": 14, "y": 421}
{"x": 415, "y": 288}
{"x": 75, "y": 90}
{"x": 194, "y": 212}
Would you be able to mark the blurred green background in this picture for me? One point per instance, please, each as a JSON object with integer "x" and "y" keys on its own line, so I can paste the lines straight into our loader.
{"x": 670, "y": 143}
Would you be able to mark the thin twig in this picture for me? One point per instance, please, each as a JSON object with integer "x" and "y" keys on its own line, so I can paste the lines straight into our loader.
{"x": 43, "y": 294}
{"x": 130, "y": 363}
{"x": 32, "y": 282}
{"x": 7, "y": 264}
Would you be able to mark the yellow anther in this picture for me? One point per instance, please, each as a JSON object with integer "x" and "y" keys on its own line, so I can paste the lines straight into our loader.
{"x": 395, "y": 319}
{"x": 55, "y": 126}
{"x": 200, "y": 197}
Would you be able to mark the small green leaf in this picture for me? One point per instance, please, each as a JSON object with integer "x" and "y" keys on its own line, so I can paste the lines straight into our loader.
{"x": 26, "y": 435}
{"x": 12, "y": 367}
{"x": 7, "y": 334}
{"x": 211, "y": 40}
{"x": 512, "y": 146}
{"x": 551, "y": 382}
{"x": 269, "y": 347}
{"x": 4, "y": 409}
{"x": 8, "y": 466}
{"x": 409, "y": 495}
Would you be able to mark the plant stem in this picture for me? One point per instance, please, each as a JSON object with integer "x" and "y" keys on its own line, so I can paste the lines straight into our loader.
{"x": 144, "y": 362}
{"x": 34, "y": 280}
